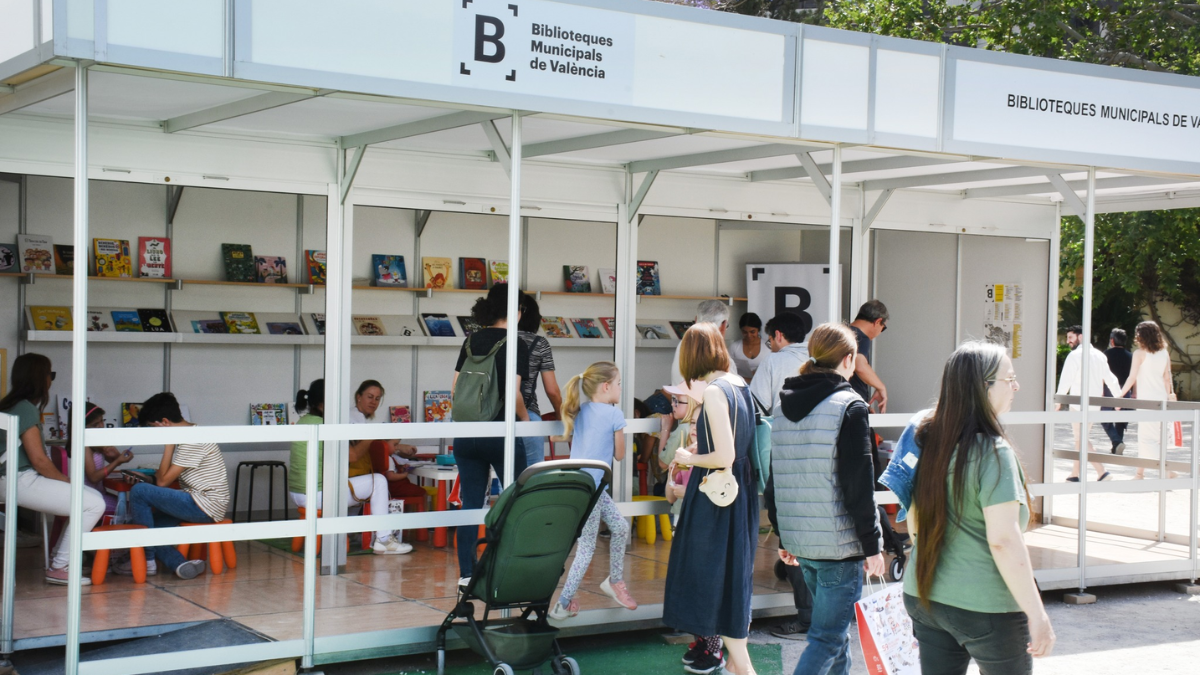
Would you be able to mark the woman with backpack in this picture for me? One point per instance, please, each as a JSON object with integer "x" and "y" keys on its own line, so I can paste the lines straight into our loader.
{"x": 474, "y": 398}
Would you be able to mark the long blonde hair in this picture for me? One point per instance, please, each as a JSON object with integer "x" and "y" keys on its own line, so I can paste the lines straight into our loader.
{"x": 580, "y": 390}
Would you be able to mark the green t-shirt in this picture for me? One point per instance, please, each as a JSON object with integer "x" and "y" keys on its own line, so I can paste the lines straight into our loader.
{"x": 966, "y": 575}
{"x": 298, "y": 471}
{"x": 27, "y": 416}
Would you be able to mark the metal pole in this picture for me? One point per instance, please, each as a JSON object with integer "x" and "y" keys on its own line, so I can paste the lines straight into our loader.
{"x": 79, "y": 300}
{"x": 1193, "y": 514}
{"x": 296, "y": 351}
{"x": 1163, "y": 428}
{"x": 310, "y": 547}
{"x": 10, "y": 536}
{"x": 335, "y": 335}
{"x": 835, "y": 237}
{"x": 169, "y": 295}
{"x": 22, "y": 228}
{"x": 514, "y": 276}
{"x": 1089, "y": 255}
{"x": 1051, "y": 358}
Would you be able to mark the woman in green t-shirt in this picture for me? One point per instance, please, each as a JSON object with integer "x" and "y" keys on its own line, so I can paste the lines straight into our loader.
{"x": 973, "y": 595}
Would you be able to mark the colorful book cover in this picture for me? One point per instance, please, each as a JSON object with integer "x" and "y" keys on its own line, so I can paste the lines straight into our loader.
{"x": 555, "y": 327}
{"x": 438, "y": 406}
{"x": 127, "y": 320}
{"x": 64, "y": 259}
{"x": 284, "y": 328}
{"x": 576, "y": 279}
{"x": 610, "y": 325}
{"x": 314, "y": 268}
{"x": 399, "y": 414}
{"x": 680, "y": 327}
{"x": 129, "y": 415}
{"x": 319, "y": 321}
{"x": 268, "y": 414}
{"x": 653, "y": 331}
{"x": 154, "y": 321}
{"x": 241, "y": 322}
{"x": 586, "y": 328}
{"x": 647, "y": 278}
{"x": 112, "y": 258}
{"x": 210, "y": 326}
{"x": 468, "y": 324}
{"x": 98, "y": 323}
{"x": 437, "y": 272}
{"x": 389, "y": 270}
{"x": 154, "y": 257}
{"x": 36, "y": 253}
{"x": 8, "y": 258}
{"x": 51, "y": 318}
{"x": 608, "y": 280}
{"x": 473, "y": 273}
{"x": 239, "y": 262}
{"x": 499, "y": 270}
{"x": 368, "y": 325}
{"x": 271, "y": 269}
{"x": 438, "y": 325}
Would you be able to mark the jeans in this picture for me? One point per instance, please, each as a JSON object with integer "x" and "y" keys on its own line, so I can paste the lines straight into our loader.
{"x": 949, "y": 637}
{"x": 475, "y": 456}
{"x": 800, "y": 595}
{"x": 835, "y": 586}
{"x": 535, "y": 446}
{"x": 155, "y": 506}
{"x": 1115, "y": 430}
{"x": 53, "y": 498}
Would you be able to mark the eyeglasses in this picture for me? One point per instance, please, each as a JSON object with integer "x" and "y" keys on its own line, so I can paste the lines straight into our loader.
{"x": 678, "y": 401}
{"x": 53, "y": 375}
{"x": 884, "y": 329}
{"x": 1010, "y": 380}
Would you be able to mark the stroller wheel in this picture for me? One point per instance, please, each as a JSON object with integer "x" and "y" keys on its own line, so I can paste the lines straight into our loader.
{"x": 441, "y": 661}
{"x": 570, "y": 664}
{"x": 780, "y": 571}
{"x": 897, "y": 569}
{"x": 503, "y": 669}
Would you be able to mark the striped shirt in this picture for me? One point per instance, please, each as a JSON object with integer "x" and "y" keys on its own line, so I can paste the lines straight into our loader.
{"x": 540, "y": 359}
{"x": 204, "y": 476}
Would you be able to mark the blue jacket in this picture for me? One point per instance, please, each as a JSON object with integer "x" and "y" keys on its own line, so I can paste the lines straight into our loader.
{"x": 901, "y": 473}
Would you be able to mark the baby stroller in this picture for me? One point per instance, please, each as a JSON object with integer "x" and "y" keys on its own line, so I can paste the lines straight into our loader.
{"x": 894, "y": 543}
{"x": 530, "y": 532}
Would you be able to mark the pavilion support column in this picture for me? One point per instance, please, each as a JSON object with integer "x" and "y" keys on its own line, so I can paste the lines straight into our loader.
{"x": 514, "y": 277}
{"x": 835, "y": 239}
{"x": 1089, "y": 256}
{"x": 625, "y": 340}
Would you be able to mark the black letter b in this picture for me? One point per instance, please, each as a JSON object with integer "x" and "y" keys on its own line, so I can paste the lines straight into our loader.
{"x": 482, "y": 37}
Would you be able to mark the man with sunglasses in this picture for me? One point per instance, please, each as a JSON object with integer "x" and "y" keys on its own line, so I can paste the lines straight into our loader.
{"x": 869, "y": 324}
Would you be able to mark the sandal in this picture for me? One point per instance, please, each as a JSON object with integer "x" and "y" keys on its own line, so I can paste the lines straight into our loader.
{"x": 1105, "y": 477}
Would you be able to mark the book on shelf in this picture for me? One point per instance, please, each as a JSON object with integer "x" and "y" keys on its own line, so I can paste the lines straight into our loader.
{"x": 437, "y": 272}
{"x": 438, "y": 406}
{"x": 284, "y": 328}
{"x": 610, "y": 325}
{"x": 499, "y": 271}
{"x": 35, "y": 253}
{"x": 469, "y": 325}
{"x": 216, "y": 326}
{"x": 680, "y": 327}
{"x": 129, "y": 415}
{"x": 50, "y": 318}
{"x": 399, "y": 414}
{"x": 586, "y": 328}
{"x": 318, "y": 322}
{"x": 154, "y": 257}
{"x": 239, "y": 262}
{"x": 243, "y": 323}
{"x": 64, "y": 259}
{"x": 647, "y": 278}
{"x": 314, "y": 268}
{"x": 99, "y": 322}
{"x": 8, "y": 258}
{"x": 368, "y": 325}
{"x": 268, "y": 414}
{"x": 127, "y": 320}
{"x": 112, "y": 258}
{"x": 555, "y": 327}
{"x": 473, "y": 273}
{"x": 271, "y": 269}
{"x": 437, "y": 325}
{"x": 608, "y": 280}
{"x": 653, "y": 331}
{"x": 576, "y": 279}
{"x": 389, "y": 270}
{"x": 405, "y": 325}
{"x": 154, "y": 321}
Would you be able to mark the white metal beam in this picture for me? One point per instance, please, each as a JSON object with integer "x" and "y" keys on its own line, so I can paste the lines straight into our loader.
{"x": 640, "y": 196}
{"x": 818, "y": 178}
{"x": 593, "y": 141}
{"x": 246, "y": 106}
{"x": 43, "y": 88}
{"x": 1070, "y": 200}
{"x": 420, "y": 127}
{"x": 873, "y": 213}
{"x": 857, "y": 166}
{"x": 718, "y": 157}
{"x": 1074, "y": 185}
{"x": 352, "y": 170}
{"x": 954, "y": 178}
{"x": 500, "y": 151}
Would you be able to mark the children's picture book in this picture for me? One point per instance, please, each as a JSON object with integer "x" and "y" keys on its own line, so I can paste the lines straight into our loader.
{"x": 647, "y": 278}
{"x": 399, "y": 414}
{"x": 608, "y": 280}
{"x": 154, "y": 257}
{"x": 268, "y": 414}
{"x": 586, "y": 328}
{"x": 437, "y": 325}
{"x": 438, "y": 406}
{"x": 36, "y": 253}
{"x": 576, "y": 279}
{"x": 468, "y": 324}
{"x": 209, "y": 326}
{"x": 8, "y": 258}
{"x": 499, "y": 270}
{"x": 680, "y": 327}
{"x": 64, "y": 259}
{"x": 112, "y": 258}
{"x": 610, "y": 325}
{"x": 129, "y": 415}
{"x": 270, "y": 269}
{"x": 241, "y": 322}
{"x": 555, "y": 327}
{"x": 389, "y": 270}
{"x": 154, "y": 321}
{"x": 318, "y": 322}
{"x": 368, "y": 325}
{"x": 239, "y": 262}
{"x": 653, "y": 331}
{"x": 99, "y": 323}
{"x": 473, "y": 273}
{"x": 314, "y": 268}
{"x": 127, "y": 320}
{"x": 437, "y": 272}
{"x": 50, "y": 318}
{"x": 284, "y": 328}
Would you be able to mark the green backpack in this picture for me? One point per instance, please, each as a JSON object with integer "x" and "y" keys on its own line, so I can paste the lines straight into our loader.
{"x": 477, "y": 390}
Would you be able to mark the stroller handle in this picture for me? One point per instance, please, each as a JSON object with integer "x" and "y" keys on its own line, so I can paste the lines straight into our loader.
{"x": 566, "y": 464}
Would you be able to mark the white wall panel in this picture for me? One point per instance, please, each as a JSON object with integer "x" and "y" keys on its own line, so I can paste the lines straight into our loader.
{"x": 192, "y": 27}
{"x": 16, "y": 30}
{"x": 907, "y": 93}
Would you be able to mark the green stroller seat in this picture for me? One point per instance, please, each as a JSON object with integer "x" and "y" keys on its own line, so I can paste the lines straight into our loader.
{"x": 530, "y": 532}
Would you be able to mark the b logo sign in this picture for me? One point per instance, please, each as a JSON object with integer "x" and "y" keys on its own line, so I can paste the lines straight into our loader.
{"x": 488, "y": 40}
{"x": 777, "y": 288}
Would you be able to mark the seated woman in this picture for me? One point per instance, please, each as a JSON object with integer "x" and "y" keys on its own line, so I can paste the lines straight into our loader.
{"x": 365, "y": 487}
{"x": 101, "y": 461}
{"x": 41, "y": 486}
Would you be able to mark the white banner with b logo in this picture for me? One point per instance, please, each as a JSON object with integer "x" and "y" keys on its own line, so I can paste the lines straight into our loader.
{"x": 802, "y": 289}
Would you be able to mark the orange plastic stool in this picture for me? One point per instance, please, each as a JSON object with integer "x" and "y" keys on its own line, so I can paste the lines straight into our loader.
{"x": 298, "y": 542}
{"x": 137, "y": 557}
{"x": 367, "y": 537}
{"x": 221, "y": 554}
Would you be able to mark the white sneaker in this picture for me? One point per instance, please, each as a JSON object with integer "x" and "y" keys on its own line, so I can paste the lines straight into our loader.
{"x": 560, "y": 613}
{"x": 190, "y": 569}
{"x": 390, "y": 546}
{"x": 463, "y": 582}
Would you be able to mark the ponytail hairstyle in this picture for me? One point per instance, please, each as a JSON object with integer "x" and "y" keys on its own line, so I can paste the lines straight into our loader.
{"x": 312, "y": 400}
{"x": 582, "y": 387}
{"x": 828, "y": 345}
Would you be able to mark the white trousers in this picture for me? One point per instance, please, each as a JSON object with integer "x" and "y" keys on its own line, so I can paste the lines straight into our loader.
{"x": 53, "y": 498}
{"x": 372, "y": 488}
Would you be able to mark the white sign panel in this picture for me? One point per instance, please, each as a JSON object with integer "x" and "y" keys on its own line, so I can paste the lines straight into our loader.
{"x": 775, "y": 288}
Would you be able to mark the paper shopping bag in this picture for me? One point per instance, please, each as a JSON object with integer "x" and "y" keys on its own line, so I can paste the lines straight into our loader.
{"x": 886, "y": 633}
{"x": 1178, "y": 434}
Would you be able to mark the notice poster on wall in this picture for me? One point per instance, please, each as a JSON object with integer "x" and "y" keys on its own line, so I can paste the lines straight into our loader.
{"x": 1002, "y": 316}
{"x": 802, "y": 289}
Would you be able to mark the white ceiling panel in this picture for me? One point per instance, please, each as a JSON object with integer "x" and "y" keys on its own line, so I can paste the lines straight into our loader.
{"x": 329, "y": 117}
{"x": 143, "y": 98}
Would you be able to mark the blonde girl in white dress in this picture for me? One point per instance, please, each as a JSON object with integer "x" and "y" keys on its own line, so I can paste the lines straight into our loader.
{"x": 1151, "y": 372}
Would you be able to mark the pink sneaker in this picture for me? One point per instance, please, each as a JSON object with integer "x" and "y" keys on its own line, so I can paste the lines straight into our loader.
{"x": 59, "y": 578}
{"x": 619, "y": 592}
